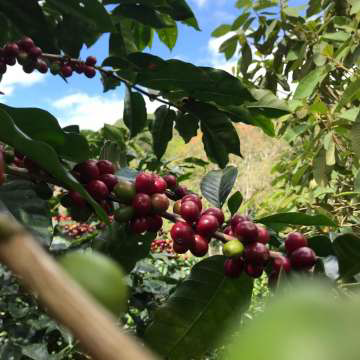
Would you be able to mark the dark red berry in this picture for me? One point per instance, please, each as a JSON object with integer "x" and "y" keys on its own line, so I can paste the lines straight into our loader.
{"x": 179, "y": 249}
{"x": 97, "y": 189}
{"x": 236, "y": 219}
{"x": 182, "y": 233}
{"x": 228, "y": 231}
{"x": 217, "y": 213}
{"x": 89, "y": 71}
{"x": 181, "y": 191}
{"x": 160, "y": 203}
{"x": 29, "y": 67}
{"x": 42, "y": 66}
{"x": 79, "y": 67}
{"x": 110, "y": 180}
{"x": 303, "y": 258}
{"x": 2, "y": 67}
{"x": 281, "y": 262}
{"x": 246, "y": 231}
{"x": 35, "y": 52}
{"x": 295, "y": 241}
{"x": 200, "y": 246}
{"x": 189, "y": 211}
{"x": 142, "y": 204}
{"x": 177, "y": 207}
{"x": 155, "y": 223}
{"x": 91, "y": 60}
{"x": 26, "y": 43}
{"x": 144, "y": 183}
{"x": 106, "y": 167}
{"x": 139, "y": 225}
{"x": 194, "y": 198}
{"x": 30, "y": 165}
{"x": 11, "y": 50}
{"x": 254, "y": 271}
{"x": 170, "y": 181}
{"x": 233, "y": 267}
{"x": 207, "y": 225}
{"x": 159, "y": 185}
{"x": 263, "y": 235}
{"x": 77, "y": 199}
{"x": 88, "y": 170}
{"x": 257, "y": 253}
{"x": 66, "y": 71}
{"x": 10, "y": 60}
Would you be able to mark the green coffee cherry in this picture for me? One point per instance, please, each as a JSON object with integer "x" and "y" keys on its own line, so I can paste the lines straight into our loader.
{"x": 124, "y": 191}
{"x": 233, "y": 248}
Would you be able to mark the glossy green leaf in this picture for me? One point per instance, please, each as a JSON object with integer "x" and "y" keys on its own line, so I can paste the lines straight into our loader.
{"x": 217, "y": 185}
{"x": 234, "y": 202}
{"x": 294, "y": 218}
{"x": 187, "y": 125}
{"x": 194, "y": 317}
{"x": 221, "y": 30}
{"x": 351, "y": 92}
{"x": 322, "y": 245}
{"x": 168, "y": 36}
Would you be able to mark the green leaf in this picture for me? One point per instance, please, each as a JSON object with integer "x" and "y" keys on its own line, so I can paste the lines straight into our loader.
{"x": 355, "y": 7}
{"x": 217, "y": 184}
{"x": 337, "y": 36}
{"x": 319, "y": 168}
{"x": 162, "y": 129}
{"x": 36, "y": 150}
{"x": 168, "y": 36}
{"x": 355, "y": 137}
{"x": 187, "y": 125}
{"x": 228, "y": 47}
{"x": 194, "y": 317}
{"x": 308, "y": 84}
{"x": 41, "y": 125}
{"x": 351, "y": 93}
{"x": 109, "y": 82}
{"x": 221, "y": 30}
{"x": 20, "y": 198}
{"x": 246, "y": 58}
{"x": 134, "y": 112}
{"x": 357, "y": 181}
{"x": 37, "y": 351}
{"x": 240, "y": 20}
{"x": 234, "y": 202}
{"x": 294, "y": 218}
{"x": 347, "y": 250}
{"x": 322, "y": 245}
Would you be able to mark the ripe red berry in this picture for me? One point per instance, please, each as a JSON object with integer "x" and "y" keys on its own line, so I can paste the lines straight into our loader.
{"x": 263, "y": 235}
{"x": 11, "y": 50}
{"x": 2, "y": 67}
{"x": 110, "y": 180}
{"x": 160, "y": 203}
{"x": 139, "y": 225}
{"x": 182, "y": 233}
{"x": 30, "y": 165}
{"x": 217, "y": 213}
{"x": 26, "y": 43}
{"x": 159, "y": 185}
{"x": 181, "y": 191}
{"x": 77, "y": 199}
{"x": 10, "y": 60}
{"x": 281, "y": 262}
{"x": 228, "y": 231}
{"x": 89, "y": 71}
{"x": 88, "y": 170}
{"x": 42, "y": 66}
{"x": 105, "y": 167}
{"x": 29, "y": 67}
{"x": 254, "y": 271}
{"x": 66, "y": 71}
{"x": 194, "y": 198}
{"x": 35, "y": 52}
{"x": 144, "y": 183}
{"x": 155, "y": 223}
{"x": 97, "y": 189}
{"x": 303, "y": 258}
{"x": 170, "y": 181}
{"x": 200, "y": 246}
{"x": 91, "y": 60}
{"x": 295, "y": 241}
{"x": 257, "y": 254}
{"x": 207, "y": 225}
{"x": 189, "y": 211}
{"x": 142, "y": 204}
{"x": 246, "y": 231}
{"x": 233, "y": 267}
{"x": 179, "y": 249}
{"x": 177, "y": 207}
{"x": 236, "y": 219}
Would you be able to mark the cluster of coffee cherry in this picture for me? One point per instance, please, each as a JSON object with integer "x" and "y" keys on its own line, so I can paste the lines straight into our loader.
{"x": 31, "y": 57}
{"x": 71, "y": 228}
{"x": 162, "y": 245}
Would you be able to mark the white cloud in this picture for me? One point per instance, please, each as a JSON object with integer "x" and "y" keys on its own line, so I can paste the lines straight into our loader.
{"x": 15, "y": 77}
{"x": 200, "y": 3}
{"x": 92, "y": 112}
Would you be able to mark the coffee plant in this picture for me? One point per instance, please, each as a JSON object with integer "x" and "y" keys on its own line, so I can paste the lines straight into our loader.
{"x": 115, "y": 214}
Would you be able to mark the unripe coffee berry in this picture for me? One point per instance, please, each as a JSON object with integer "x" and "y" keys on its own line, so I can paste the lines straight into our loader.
{"x": 217, "y": 213}
{"x": 170, "y": 181}
{"x": 207, "y": 225}
{"x": 97, "y": 189}
{"x": 110, "y": 180}
{"x": 124, "y": 191}
{"x": 200, "y": 246}
{"x": 182, "y": 233}
{"x": 194, "y": 198}
{"x": 303, "y": 258}
{"x": 233, "y": 248}
{"x": 257, "y": 254}
{"x": 160, "y": 203}
{"x": 295, "y": 241}
{"x": 139, "y": 225}
{"x": 246, "y": 231}
{"x": 233, "y": 267}
{"x": 189, "y": 211}
{"x": 144, "y": 183}
{"x": 142, "y": 204}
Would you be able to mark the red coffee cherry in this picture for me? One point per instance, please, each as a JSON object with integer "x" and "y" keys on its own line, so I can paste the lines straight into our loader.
{"x": 295, "y": 241}
{"x": 179, "y": 249}
{"x": 10, "y": 60}
{"x": 155, "y": 223}
{"x": 181, "y": 191}
{"x": 144, "y": 183}
{"x": 110, "y": 180}
{"x": 89, "y": 71}
{"x": 159, "y": 185}
{"x": 11, "y": 50}
{"x": 207, "y": 225}
{"x": 77, "y": 199}
{"x": 35, "y": 52}
{"x": 78, "y": 67}
{"x": 303, "y": 258}
{"x": 91, "y": 60}
{"x": 88, "y": 170}
{"x": 105, "y": 167}
{"x": 170, "y": 181}
{"x": 66, "y": 70}
{"x": 217, "y": 213}
{"x": 2, "y": 67}
{"x": 246, "y": 231}
{"x": 31, "y": 165}
{"x": 189, "y": 211}
{"x": 139, "y": 225}
{"x": 228, "y": 231}
{"x": 97, "y": 189}
{"x": 233, "y": 267}
{"x": 254, "y": 271}
{"x": 29, "y": 67}
{"x": 257, "y": 254}
{"x": 194, "y": 198}
{"x": 142, "y": 204}
{"x": 26, "y": 43}
{"x": 281, "y": 262}
{"x": 263, "y": 235}
{"x": 182, "y": 233}
{"x": 236, "y": 219}
{"x": 200, "y": 246}
{"x": 177, "y": 207}
{"x": 160, "y": 203}
{"x": 42, "y": 66}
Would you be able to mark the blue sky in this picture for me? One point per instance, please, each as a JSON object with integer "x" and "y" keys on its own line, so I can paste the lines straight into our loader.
{"x": 82, "y": 100}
